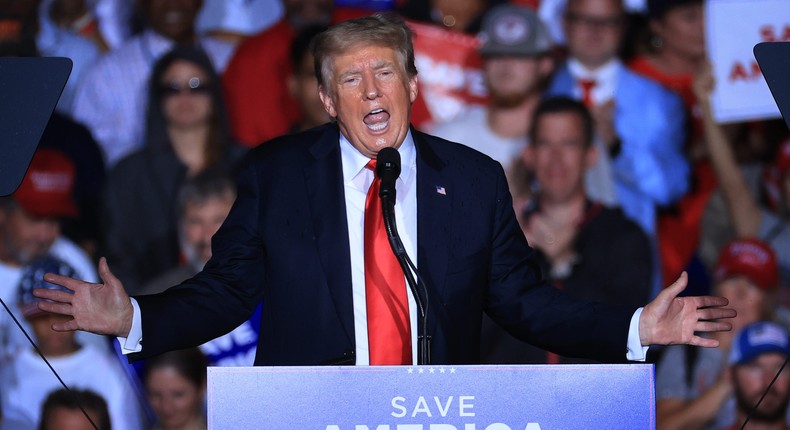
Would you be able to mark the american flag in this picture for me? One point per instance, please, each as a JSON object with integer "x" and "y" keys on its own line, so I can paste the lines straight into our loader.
{"x": 440, "y": 190}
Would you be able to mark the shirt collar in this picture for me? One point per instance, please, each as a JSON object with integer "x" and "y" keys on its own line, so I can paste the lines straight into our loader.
{"x": 354, "y": 162}
{"x": 605, "y": 73}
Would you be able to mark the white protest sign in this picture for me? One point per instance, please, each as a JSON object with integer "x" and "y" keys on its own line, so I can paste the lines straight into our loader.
{"x": 732, "y": 29}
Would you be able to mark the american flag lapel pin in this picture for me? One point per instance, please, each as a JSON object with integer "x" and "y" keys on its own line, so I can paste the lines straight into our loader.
{"x": 440, "y": 190}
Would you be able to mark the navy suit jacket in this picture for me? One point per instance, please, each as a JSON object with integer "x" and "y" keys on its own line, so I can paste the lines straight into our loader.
{"x": 285, "y": 243}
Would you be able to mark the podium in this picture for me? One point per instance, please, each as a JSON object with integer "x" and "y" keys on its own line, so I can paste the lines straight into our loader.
{"x": 524, "y": 397}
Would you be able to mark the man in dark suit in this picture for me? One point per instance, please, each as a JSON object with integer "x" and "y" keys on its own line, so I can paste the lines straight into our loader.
{"x": 294, "y": 240}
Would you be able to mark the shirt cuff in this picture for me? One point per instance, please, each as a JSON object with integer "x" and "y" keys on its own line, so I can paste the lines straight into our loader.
{"x": 635, "y": 350}
{"x": 134, "y": 340}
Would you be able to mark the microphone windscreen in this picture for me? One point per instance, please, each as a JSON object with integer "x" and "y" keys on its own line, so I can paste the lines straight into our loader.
{"x": 388, "y": 164}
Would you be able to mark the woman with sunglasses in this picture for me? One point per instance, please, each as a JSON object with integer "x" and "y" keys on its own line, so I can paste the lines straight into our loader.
{"x": 186, "y": 133}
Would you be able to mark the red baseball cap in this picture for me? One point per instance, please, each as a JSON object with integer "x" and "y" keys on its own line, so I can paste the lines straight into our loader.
{"x": 46, "y": 190}
{"x": 751, "y": 258}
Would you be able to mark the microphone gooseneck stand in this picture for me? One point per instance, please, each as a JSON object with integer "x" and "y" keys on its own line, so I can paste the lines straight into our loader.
{"x": 388, "y": 170}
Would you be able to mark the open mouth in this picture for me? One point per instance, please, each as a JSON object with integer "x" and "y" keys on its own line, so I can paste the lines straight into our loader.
{"x": 377, "y": 119}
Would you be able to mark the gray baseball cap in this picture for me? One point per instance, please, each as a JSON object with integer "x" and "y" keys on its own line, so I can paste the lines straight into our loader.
{"x": 512, "y": 30}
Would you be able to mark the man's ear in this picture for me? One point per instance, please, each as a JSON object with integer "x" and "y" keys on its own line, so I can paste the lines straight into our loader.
{"x": 329, "y": 104}
{"x": 546, "y": 66}
{"x": 656, "y": 26}
{"x": 729, "y": 373}
{"x": 565, "y": 21}
{"x": 291, "y": 83}
{"x": 413, "y": 88}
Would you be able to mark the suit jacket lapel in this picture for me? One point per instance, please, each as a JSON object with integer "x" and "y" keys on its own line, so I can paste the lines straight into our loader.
{"x": 325, "y": 191}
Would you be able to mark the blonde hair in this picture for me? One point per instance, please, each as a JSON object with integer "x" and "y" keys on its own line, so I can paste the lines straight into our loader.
{"x": 382, "y": 29}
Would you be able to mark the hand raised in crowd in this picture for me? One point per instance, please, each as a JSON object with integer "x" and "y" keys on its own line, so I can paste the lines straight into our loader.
{"x": 98, "y": 308}
{"x": 603, "y": 117}
{"x": 551, "y": 235}
{"x": 670, "y": 319}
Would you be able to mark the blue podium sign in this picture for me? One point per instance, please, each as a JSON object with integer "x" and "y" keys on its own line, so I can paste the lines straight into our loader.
{"x": 538, "y": 397}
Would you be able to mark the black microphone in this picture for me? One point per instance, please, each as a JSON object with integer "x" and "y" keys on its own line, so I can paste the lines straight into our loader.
{"x": 388, "y": 170}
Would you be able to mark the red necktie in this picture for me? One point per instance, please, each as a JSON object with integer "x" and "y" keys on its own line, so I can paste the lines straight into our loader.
{"x": 389, "y": 330}
{"x": 587, "y": 87}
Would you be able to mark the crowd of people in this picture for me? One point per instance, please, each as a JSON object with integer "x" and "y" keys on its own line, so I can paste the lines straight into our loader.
{"x": 599, "y": 112}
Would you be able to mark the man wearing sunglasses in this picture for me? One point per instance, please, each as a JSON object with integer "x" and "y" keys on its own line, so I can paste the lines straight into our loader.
{"x": 110, "y": 100}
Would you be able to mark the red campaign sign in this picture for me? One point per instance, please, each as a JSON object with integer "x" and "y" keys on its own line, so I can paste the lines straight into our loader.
{"x": 450, "y": 71}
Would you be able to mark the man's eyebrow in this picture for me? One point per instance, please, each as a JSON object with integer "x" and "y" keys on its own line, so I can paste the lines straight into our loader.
{"x": 378, "y": 65}
{"x": 383, "y": 64}
{"x": 348, "y": 73}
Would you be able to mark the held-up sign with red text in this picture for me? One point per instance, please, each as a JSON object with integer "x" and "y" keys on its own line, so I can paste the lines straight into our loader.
{"x": 733, "y": 27}
{"x": 450, "y": 71}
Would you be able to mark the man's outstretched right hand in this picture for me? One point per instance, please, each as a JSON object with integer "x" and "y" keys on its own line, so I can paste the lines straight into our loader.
{"x": 97, "y": 308}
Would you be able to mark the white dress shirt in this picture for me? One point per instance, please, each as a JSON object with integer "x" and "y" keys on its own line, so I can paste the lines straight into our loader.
{"x": 356, "y": 182}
